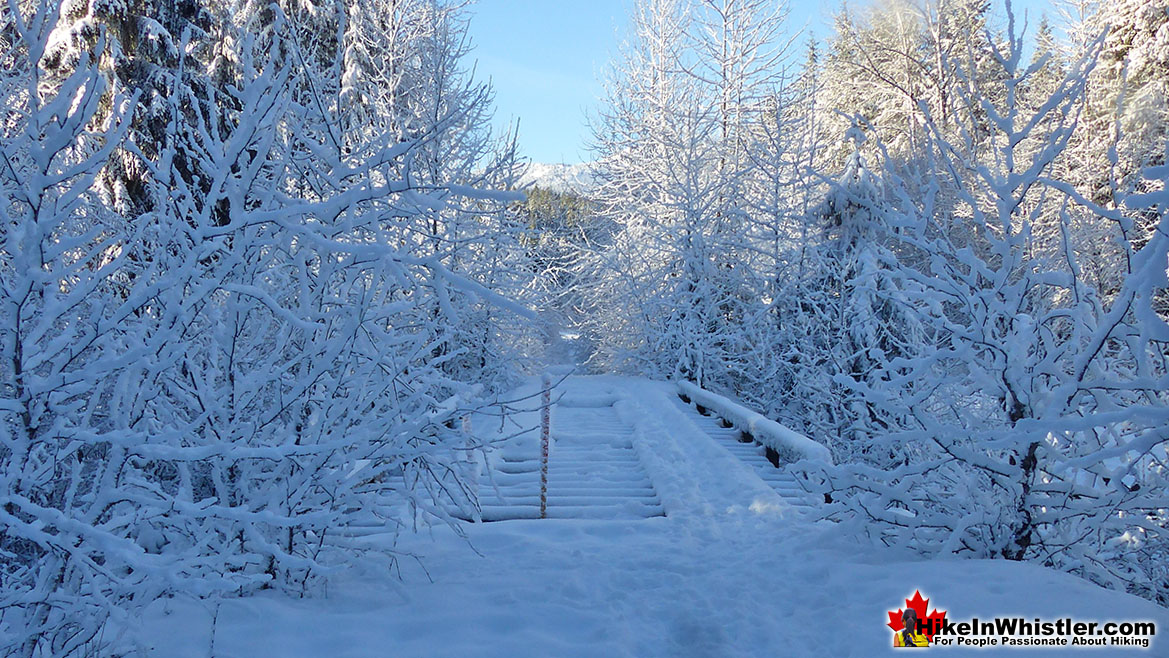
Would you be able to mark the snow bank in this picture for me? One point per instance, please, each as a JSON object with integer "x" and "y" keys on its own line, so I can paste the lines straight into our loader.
{"x": 764, "y": 430}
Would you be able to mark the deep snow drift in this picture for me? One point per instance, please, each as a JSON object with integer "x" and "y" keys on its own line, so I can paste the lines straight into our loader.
{"x": 730, "y": 571}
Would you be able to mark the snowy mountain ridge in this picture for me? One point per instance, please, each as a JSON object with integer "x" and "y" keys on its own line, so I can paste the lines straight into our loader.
{"x": 576, "y": 178}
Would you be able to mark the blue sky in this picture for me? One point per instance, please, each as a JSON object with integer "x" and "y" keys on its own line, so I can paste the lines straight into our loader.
{"x": 546, "y": 58}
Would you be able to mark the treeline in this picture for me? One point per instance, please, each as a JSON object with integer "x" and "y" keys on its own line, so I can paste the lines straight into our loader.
{"x": 938, "y": 246}
{"x": 562, "y": 228}
{"x": 249, "y": 254}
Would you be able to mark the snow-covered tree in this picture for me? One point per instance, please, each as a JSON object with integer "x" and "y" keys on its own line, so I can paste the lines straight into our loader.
{"x": 686, "y": 108}
{"x": 143, "y": 48}
{"x": 63, "y": 256}
{"x": 1035, "y": 411}
{"x": 1134, "y": 78}
{"x": 892, "y": 61}
{"x": 212, "y": 394}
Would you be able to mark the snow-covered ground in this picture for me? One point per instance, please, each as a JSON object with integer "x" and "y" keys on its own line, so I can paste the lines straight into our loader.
{"x": 731, "y": 570}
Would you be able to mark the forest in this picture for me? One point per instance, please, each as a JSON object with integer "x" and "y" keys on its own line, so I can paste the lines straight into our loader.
{"x": 937, "y": 246}
{"x": 258, "y": 261}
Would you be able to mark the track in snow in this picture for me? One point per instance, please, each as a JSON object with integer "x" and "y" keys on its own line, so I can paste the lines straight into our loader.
{"x": 593, "y": 471}
{"x": 750, "y": 452}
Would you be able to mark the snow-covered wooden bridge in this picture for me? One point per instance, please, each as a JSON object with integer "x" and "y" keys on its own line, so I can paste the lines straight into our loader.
{"x": 689, "y": 543}
{"x": 615, "y": 448}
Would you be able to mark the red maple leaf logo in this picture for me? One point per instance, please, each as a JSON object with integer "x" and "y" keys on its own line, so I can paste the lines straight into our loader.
{"x": 930, "y": 623}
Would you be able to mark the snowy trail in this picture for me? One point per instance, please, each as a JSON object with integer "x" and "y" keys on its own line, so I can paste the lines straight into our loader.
{"x": 734, "y": 568}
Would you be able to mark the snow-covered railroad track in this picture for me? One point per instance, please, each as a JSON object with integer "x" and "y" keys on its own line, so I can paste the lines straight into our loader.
{"x": 593, "y": 471}
{"x": 750, "y": 452}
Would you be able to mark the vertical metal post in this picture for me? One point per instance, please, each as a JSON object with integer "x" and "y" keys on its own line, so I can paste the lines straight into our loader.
{"x": 545, "y": 432}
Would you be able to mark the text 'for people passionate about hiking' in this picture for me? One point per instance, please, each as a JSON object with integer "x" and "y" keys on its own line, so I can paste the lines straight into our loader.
{"x": 913, "y": 626}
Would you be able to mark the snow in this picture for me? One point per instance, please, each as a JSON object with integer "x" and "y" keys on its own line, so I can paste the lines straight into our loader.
{"x": 575, "y": 178}
{"x": 764, "y": 430}
{"x": 633, "y": 589}
{"x": 725, "y": 573}
{"x": 249, "y": 333}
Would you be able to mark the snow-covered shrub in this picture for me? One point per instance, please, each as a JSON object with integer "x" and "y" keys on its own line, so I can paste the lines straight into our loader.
{"x": 1034, "y": 415}
{"x": 213, "y": 392}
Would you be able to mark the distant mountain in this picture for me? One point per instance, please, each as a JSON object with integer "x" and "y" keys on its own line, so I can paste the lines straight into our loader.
{"x": 574, "y": 178}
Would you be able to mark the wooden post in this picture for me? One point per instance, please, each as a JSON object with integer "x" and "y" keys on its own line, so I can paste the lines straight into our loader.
{"x": 545, "y": 433}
